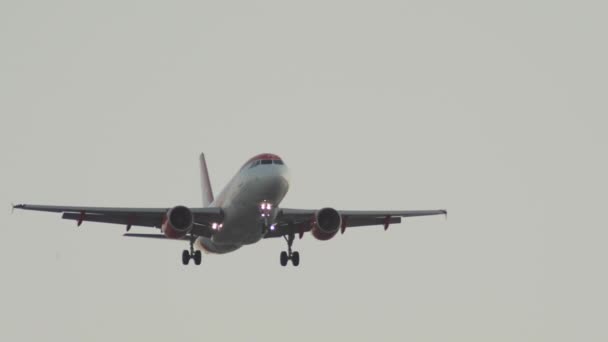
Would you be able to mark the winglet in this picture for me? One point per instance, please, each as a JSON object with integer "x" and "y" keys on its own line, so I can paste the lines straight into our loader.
{"x": 16, "y": 206}
{"x": 445, "y": 214}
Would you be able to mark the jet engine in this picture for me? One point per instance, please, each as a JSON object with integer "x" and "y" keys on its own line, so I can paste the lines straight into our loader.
{"x": 327, "y": 223}
{"x": 177, "y": 223}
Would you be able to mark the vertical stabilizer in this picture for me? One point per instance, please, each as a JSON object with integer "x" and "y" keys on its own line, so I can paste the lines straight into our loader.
{"x": 205, "y": 183}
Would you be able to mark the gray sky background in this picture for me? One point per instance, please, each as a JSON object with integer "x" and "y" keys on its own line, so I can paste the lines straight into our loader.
{"x": 493, "y": 110}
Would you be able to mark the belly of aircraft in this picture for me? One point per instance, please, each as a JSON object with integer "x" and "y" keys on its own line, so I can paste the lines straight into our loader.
{"x": 242, "y": 221}
{"x": 243, "y": 227}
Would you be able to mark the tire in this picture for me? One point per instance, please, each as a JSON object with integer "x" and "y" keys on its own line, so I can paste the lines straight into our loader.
{"x": 295, "y": 258}
{"x": 197, "y": 257}
{"x": 185, "y": 257}
{"x": 284, "y": 258}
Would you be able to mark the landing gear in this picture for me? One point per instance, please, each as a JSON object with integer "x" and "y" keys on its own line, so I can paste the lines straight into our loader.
{"x": 295, "y": 258}
{"x": 289, "y": 255}
{"x": 197, "y": 257}
{"x": 264, "y": 226}
{"x": 284, "y": 258}
{"x": 185, "y": 257}
{"x": 265, "y": 212}
{"x": 191, "y": 254}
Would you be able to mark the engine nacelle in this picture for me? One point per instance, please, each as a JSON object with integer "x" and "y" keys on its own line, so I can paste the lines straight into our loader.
{"x": 327, "y": 223}
{"x": 177, "y": 222}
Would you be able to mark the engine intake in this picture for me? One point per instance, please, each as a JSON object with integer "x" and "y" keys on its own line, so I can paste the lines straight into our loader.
{"x": 177, "y": 222}
{"x": 327, "y": 223}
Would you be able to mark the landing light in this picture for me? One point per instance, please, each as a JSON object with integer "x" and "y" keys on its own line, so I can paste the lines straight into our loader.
{"x": 265, "y": 206}
{"x": 272, "y": 227}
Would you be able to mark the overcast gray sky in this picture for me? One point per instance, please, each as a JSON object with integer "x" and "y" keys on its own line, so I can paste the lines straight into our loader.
{"x": 493, "y": 110}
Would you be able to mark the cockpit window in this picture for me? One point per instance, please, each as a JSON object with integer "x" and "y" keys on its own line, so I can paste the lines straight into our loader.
{"x": 265, "y": 162}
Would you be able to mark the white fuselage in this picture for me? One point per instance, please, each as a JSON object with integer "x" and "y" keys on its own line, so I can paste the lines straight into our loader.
{"x": 240, "y": 200}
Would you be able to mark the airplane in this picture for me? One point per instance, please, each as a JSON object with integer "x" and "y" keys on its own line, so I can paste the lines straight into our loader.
{"x": 245, "y": 212}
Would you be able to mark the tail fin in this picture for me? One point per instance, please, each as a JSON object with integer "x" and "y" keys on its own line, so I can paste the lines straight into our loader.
{"x": 205, "y": 183}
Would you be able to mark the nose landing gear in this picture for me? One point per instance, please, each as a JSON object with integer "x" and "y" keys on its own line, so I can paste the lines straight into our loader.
{"x": 289, "y": 255}
{"x": 192, "y": 254}
{"x": 265, "y": 212}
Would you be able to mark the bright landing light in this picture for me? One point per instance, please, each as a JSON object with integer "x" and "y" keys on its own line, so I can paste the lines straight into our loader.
{"x": 265, "y": 206}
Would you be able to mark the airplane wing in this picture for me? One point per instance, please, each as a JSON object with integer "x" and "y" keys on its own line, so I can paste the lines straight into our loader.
{"x": 145, "y": 217}
{"x": 299, "y": 221}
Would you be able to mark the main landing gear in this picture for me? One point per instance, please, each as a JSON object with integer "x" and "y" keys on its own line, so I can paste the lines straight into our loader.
{"x": 289, "y": 255}
{"x": 192, "y": 254}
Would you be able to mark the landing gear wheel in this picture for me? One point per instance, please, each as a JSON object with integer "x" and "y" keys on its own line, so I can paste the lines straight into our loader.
{"x": 295, "y": 258}
{"x": 289, "y": 255}
{"x": 185, "y": 257}
{"x": 284, "y": 258}
{"x": 191, "y": 254}
{"x": 197, "y": 257}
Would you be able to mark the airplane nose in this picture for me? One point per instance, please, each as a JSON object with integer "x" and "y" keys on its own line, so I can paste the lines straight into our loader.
{"x": 277, "y": 178}
{"x": 284, "y": 173}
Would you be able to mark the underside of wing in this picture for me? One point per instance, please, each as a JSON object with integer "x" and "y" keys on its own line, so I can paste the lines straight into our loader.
{"x": 130, "y": 219}
{"x": 300, "y": 213}
{"x": 299, "y": 221}
{"x": 152, "y": 236}
{"x": 392, "y": 213}
{"x": 145, "y": 217}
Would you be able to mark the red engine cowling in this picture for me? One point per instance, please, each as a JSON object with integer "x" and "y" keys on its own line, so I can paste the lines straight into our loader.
{"x": 177, "y": 222}
{"x": 327, "y": 223}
